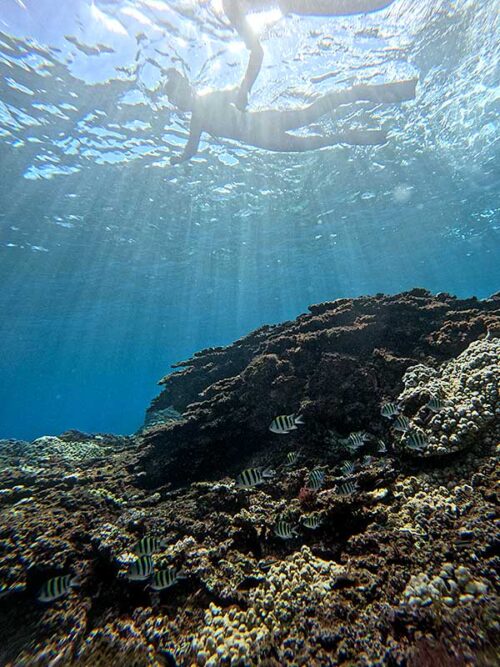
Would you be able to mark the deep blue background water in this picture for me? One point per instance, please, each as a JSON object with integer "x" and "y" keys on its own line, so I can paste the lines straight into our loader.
{"x": 121, "y": 266}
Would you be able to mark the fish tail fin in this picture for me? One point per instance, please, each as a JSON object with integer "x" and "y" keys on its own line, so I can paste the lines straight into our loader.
{"x": 298, "y": 419}
{"x": 75, "y": 581}
{"x": 182, "y": 574}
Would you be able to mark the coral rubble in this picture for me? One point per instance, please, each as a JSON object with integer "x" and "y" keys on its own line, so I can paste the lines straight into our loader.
{"x": 396, "y": 566}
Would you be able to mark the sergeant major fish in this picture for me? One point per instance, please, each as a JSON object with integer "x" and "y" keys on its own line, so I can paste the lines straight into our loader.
{"x": 401, "y": 424}
{"x": 291, "y": 458}
{"x": 149, "y": 545}
{"x": 416, "y": 440}
{"x": 285, "y": 530}
{"x": 435, "y": 403}
{"x": 141, "y": 569}
{"x": 356, "y": 440}
{"x": 389, "y": 410}
{"x": 347, "y": 488}
{"x": 166, "y": 578}
{"x": 253, "y": 476}
{"x": 347, "y": 468}
{"x": 56, "y": 587}
{"x": 285, "y": 423}
{"x": 316, "y": 479}
{"x": 312, "y": 521}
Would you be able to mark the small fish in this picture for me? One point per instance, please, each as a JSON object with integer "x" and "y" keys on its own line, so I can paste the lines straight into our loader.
{"x": 292, "y": 458}
{"x": 356, "y": 440}
{"x": 347, "y": 468}
{"x": 312, "y": 521}
{"x": 381, "y": 447}
{"x": 166, "y": 578}
{"x": 402, "y": 424}
{"x": 416, "y": 440}
{"x": 285, "y": 423}
{"x": 285, "y": 530}
{"x": 389, "y": 410}
{"x": 266, "y": 564}
{"x": 149, "y": 545}
{"x": 56, "y": 587}
{"x": 316, "y": 479}
{"x": 253, "y": 476}
{"x": 435, "y": 403}
{"x": 367, "y": 460}
{"x": 411, "y": 530}
{"x": 141, "y": 569}
{"x": 347, "y": 488}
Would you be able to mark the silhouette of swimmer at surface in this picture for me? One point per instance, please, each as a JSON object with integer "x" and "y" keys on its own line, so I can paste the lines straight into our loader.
{"x": 216, "y": 114}
{"x": 236, "y": 12}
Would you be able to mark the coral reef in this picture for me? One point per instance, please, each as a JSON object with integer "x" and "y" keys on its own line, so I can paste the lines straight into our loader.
{"x": 400, "y": 568}
{"x": 335, "y": 366}
{"x": 468, "y": 388}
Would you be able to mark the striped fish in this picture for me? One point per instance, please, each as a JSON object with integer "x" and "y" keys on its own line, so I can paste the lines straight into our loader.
{"x": 292, "y": 458}
{"x": 141, "y": 569}
{"x": 149, "y": 545}
{"x": 285, "y": 530}
{"x": 285, "y": 423}
{"x": 347, "y": 488}
{"x": 381, "y": 447}
{"x": 253, "y": 476}
{"x": 367, "y": 460}
{"x": 347, "y": 468}
{"x": 312, "y": 521}
{"x": 416, "y": 440}
{"x": 55, "y": 588}
{"x": 401, "y": 424}
{"x": 435, "y": 403}
{"x": 166, "y": 578}
{"x": 316, "y": 479}
{"x": 389, "y": 410}
{"x": 356, "y": 440}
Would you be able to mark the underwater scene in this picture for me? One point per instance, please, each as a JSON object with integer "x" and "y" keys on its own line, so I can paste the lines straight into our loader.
{"x": 250, "y": 333}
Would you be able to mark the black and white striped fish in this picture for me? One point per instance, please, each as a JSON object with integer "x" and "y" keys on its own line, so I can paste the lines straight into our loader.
{"x": 381, "y": 447}
{"x": 141, "y": 569}
{"x": 347, "y": 488}
{"x": 416, "y": 440}
{"x": 292, "y": 458}
{"x": 389, "y": 410}
{"x": 315, "y": 479}
{"x": 356, "y": 440}
{"x": 56, "y": 587}
{"x": 285, "y": 530}
{"x": 166, "y": 578}
{"x": 285, "y": 423}
{"x": 347, "y": 468}
{"x": 401, "y": 423}
{"x": 253, "y": 476}
{"x": 312, "y": 521}
{"x": 149, "y": 545}
{"x": 435, "y": 403}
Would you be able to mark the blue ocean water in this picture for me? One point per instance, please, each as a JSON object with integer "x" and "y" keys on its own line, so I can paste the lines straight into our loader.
{"x": 115, "y": 264}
